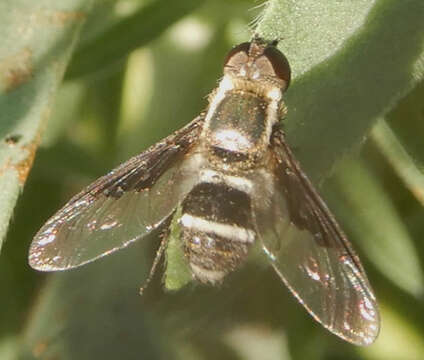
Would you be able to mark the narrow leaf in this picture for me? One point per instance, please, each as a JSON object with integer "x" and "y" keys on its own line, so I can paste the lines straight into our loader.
{"x": 132, "y": 32}
{"x": 37, "y": 40}
{"x": 399, "y": 159}
{"x": 376, "y": 225}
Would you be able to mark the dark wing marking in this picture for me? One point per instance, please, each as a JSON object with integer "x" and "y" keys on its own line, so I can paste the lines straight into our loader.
{"x": 119, "y": 208}
{"x": 310, "y": 252}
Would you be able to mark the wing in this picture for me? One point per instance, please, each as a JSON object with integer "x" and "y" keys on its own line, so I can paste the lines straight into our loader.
{"x": 310, "y": 252}
{"x": 119, "y": 208}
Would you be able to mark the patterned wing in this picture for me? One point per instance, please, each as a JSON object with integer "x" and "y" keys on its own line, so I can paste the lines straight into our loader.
{"x": 309, "y": 251}
{"x": 119, "y": 208}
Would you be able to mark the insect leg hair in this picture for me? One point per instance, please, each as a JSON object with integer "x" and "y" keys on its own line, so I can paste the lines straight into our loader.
{"x": 163, "y": 244}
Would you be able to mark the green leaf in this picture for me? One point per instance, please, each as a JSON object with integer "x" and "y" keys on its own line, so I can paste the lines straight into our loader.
{"x": 10, "y": 188}
{"x": 130, "y": 33}
{"x": 312, "y": 31}
{"x": 9, "y": 348}
{"x": 177, "y": 273}
{"x": 407, "y": 122}
{"x": 374, "y": 222}
{"x": 398, "y": 339}
{"x": 102, "y": 317}
{"x": 37, "y": 40}
{"x": 352, "y": 61}
{"x": 399, "y": 159}
{"x": 254, "y": 343}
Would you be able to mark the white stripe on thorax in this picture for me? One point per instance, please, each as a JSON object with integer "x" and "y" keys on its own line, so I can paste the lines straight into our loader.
{"x": 224, "y": 230}
{"x": 272, "y": 112}
{"x": 215, "y": 177}
{"x": 225, "y": 85}
{"x": 231, "y": 140}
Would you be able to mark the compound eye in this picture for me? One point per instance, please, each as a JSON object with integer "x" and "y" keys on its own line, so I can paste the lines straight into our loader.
{"x": 279, "y": 63}
{"x": 237, "y": 56}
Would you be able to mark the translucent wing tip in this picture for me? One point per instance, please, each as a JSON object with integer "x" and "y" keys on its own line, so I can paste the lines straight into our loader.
{"x": 39, "y": 260}
{"x": 370, "y": 328}
{"x": 360, "y": 327}
{"x": 364, "y": 336}
{"x": 44, "y": 252}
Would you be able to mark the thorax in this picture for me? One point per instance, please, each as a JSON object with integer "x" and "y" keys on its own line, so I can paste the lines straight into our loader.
{"x": 238, "y": 125}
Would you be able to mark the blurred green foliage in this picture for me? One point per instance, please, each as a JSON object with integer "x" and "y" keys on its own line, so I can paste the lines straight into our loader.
{"x": 142, "y": 69}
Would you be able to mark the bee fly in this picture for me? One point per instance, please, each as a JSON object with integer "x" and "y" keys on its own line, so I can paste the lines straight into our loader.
{"x": 236, "y": 182}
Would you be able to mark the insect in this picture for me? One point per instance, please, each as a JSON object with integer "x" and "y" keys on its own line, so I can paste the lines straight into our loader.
{"x": 236, "y": 183}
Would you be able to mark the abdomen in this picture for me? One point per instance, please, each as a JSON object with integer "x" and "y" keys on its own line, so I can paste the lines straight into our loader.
{"x": 216, "y": 225}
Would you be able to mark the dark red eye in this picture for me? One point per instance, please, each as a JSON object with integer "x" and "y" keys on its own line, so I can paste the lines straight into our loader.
{"x": 242, "y": 48}
{"x": 279, "y": 63}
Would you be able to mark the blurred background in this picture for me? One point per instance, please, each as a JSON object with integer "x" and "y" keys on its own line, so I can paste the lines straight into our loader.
{"x": 124, "y": 90}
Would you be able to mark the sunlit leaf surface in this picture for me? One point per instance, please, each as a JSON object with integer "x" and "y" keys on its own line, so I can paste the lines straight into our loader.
{"x": 345, "y": 74}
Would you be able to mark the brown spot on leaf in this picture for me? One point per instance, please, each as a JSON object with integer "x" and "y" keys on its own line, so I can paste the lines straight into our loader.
{"x": 15, "y": 70}
{"x": 23, "y": 166}
{"x": 12, "y": 139}
{"x": 62, "y": 17}
{"x": 39, "y": 349}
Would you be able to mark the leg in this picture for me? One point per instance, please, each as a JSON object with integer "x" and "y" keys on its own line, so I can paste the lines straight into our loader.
{"x": 163, "y": 243}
